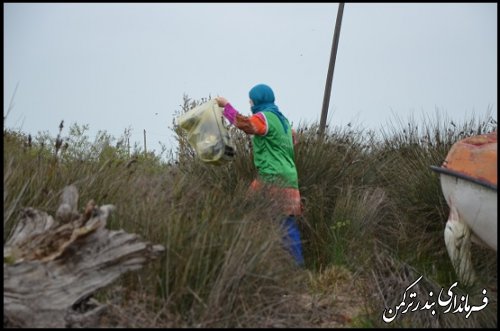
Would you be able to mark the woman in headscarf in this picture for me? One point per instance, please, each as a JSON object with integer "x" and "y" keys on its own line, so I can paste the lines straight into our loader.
{"x": 273, "y": 156}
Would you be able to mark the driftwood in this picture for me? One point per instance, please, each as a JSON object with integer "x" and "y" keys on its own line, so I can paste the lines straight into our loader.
{"x": 53, "y": 266}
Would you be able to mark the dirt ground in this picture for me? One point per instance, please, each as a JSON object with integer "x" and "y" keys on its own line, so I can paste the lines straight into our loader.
{"x": 332, "y": 298}
{"x": 335, "y": 298}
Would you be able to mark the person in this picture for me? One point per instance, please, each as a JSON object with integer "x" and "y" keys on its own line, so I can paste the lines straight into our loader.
{"x": 273, "y": 156}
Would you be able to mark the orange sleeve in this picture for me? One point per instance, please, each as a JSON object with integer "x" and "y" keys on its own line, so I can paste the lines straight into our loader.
{"x": 255, "y": 124}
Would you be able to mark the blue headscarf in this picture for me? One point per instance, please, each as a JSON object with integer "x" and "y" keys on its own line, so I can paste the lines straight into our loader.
{"x": 262, "y": 97}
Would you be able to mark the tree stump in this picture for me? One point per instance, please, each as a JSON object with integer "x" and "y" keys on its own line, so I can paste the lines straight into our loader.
{"x": 53, "y": 266}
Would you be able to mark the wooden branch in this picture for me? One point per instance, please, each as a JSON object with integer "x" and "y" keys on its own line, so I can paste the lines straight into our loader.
{"x": 52, "y": 267}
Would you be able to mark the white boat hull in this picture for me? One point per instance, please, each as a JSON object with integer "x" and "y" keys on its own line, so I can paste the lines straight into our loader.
{"x": 476, "y": 205}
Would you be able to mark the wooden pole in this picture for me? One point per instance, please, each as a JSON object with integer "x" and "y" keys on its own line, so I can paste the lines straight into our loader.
{"x": 331, "y": 66}
{"x": 145, "y": 150}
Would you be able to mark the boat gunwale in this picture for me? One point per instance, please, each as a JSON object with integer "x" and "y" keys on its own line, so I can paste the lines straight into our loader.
{"x": 465, "y": 177}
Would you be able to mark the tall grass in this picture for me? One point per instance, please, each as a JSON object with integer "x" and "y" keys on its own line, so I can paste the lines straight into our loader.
{"x": 409, "y": 241}
{"x": 372, "y": 206}
{"x": 224, "y": 263}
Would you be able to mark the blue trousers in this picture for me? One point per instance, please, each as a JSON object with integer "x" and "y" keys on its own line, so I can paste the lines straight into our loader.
{"x": 292, "y": 240}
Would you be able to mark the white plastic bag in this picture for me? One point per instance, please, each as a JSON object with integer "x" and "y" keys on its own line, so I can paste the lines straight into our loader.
{"x": 207, "y": 134}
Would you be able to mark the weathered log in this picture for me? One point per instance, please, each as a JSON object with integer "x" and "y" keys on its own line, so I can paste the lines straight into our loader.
{"x": 52, "y": 267}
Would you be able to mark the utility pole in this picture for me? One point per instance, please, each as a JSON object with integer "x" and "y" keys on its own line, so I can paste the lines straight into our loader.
{"x": 331, "y": 66}
{"x": 145, "y": 150}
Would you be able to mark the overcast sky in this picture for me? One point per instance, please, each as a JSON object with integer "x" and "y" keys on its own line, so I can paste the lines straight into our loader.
{"x": 114, "y": 66}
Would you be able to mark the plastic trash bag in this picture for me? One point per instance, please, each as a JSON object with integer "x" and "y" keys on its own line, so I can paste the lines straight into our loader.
{"x": 207, "y": 134}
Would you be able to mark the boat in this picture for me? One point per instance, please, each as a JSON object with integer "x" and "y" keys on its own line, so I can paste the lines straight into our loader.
{"x": 468, "y": 178}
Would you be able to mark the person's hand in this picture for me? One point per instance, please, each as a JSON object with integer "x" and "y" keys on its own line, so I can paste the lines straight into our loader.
{"x": 221, "y": 101}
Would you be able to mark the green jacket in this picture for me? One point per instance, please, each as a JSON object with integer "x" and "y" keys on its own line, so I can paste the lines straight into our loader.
{"x": 273, "y": 154}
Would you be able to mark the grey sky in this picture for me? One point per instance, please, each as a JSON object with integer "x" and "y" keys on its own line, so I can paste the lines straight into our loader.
{"x": 115, "y": 66}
